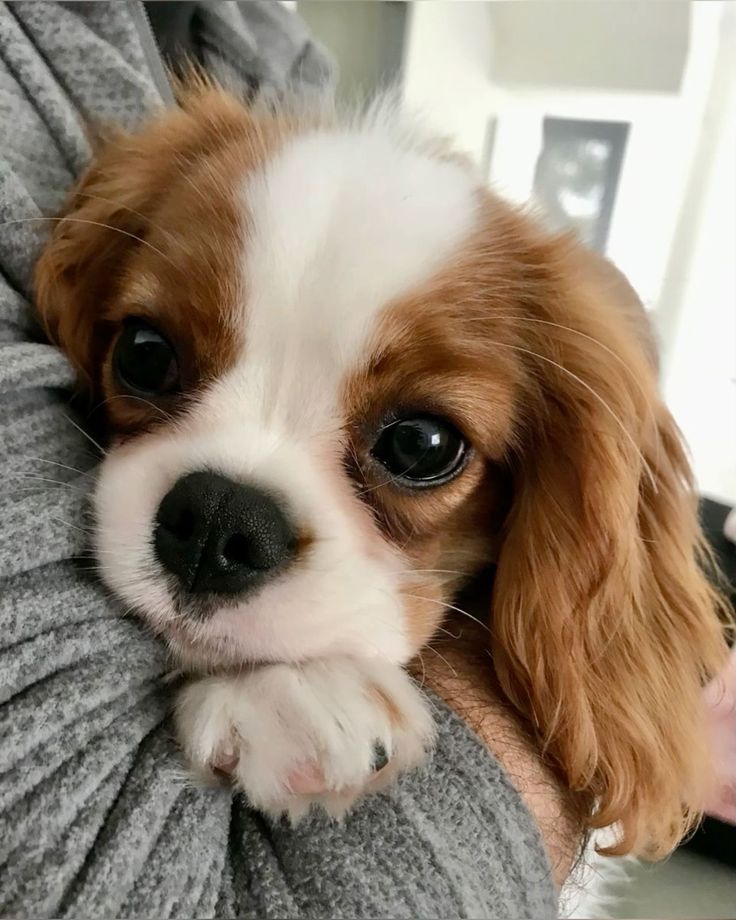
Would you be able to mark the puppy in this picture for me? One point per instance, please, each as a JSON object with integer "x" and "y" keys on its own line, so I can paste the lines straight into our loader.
{"x": 341, "y": 378}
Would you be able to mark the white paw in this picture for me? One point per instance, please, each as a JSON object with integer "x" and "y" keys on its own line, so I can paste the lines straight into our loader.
{"x": 291, "y": 736}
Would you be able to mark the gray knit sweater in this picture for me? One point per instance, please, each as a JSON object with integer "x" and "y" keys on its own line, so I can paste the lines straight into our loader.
{"x": 95, "y": 819}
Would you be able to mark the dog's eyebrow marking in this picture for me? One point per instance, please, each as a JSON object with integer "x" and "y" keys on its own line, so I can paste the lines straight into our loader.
{"x": 142, "y": 291}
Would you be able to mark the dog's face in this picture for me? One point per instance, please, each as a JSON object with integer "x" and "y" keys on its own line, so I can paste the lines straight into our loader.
{"x": 297, "y": 463}
{"x": 340, "y": 378}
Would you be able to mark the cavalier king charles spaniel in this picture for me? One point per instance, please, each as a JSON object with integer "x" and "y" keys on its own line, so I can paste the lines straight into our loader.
{"x": 340, "y": 379}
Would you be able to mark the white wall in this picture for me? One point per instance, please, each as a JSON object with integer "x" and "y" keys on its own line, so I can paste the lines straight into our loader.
{"x": 598, "y": 44}
{"x": 447, "y": 69}
{"x": 700, "y": 341}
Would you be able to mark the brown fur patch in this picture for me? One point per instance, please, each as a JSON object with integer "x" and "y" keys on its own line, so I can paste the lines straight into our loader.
{"x": 156, "y": 229}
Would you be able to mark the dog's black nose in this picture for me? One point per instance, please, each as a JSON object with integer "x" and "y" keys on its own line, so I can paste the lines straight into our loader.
{"x": 219, "y": 536}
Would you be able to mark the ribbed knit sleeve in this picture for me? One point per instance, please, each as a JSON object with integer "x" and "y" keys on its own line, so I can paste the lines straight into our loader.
{"x": 95, "y": 817}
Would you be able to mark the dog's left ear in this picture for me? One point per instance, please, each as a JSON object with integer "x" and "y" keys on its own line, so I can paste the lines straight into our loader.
{"x": 605, "y": 626}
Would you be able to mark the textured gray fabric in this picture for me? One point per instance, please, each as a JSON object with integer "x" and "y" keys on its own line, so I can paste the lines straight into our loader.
{"x": 229, "y": 39}
{"x": 94, "y": 817}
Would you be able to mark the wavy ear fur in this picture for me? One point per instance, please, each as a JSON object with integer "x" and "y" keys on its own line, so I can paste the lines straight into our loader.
{"x": 605, "y": 626}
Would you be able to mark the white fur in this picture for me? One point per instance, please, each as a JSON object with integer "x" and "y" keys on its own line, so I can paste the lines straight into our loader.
{"x": 337, "y": 226}
{"x": 279, "y": 719}
{"x": 342, "y": 224}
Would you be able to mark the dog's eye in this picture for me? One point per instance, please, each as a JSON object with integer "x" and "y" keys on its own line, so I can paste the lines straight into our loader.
{"x": 144, "y": 361}
{"x": 421, "y": 451}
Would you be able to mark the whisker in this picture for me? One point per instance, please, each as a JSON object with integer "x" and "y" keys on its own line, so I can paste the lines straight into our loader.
{"x": 125, "y": 207}
{"x": 547, "y": 322}
{"x": 433, "y": 572}
{"x": 69, "y": 524}
{"x": 184, "y": 173}
{"x": 589, "y": 338}
{"x": 424, "y": 670}
{"x": 165, "y": 415}
{"x": 354, "y": 454}
{"x": 593, "y": 393}
{"x": 25, "y": 490}
{"x": 442, "y": 657}
{"x": 447, "y": 632}
{"x": 57, "y": 482}
{"x": 391, "y": 479}
{"x": 72, "y": 469}
{"x": 94, "y": 223}
{"x": 465, "y": 613}
{"x": 427, "y": 699}
{"x": 86, "y": 435}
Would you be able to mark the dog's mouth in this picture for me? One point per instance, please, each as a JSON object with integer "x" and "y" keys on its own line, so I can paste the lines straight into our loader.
{"x": 194, "y": 647}
{"x": 197, "y": 610}
{"x": 201, "y": 634}
{"x": 188, "y": 628}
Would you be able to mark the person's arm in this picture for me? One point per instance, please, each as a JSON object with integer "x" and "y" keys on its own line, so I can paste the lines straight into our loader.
{"x": 95, "y": 817}
{"x": 463, "y": 677}
{"x": 452, "y": 839}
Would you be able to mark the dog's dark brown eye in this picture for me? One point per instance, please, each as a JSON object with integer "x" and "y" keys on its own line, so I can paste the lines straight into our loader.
{"x": 144, "y": 361}
{"x": 421, "y": 451}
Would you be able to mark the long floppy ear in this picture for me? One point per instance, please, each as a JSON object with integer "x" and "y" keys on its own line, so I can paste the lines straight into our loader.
{"x": 605, "y": 627}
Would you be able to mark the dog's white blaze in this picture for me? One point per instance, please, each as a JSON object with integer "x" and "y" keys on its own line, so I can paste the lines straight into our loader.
{"x": 336, "y": 227}
{"x": 339, "y": 225}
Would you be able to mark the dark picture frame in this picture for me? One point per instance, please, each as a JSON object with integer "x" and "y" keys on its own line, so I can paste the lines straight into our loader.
{"x": 577, "y": 175}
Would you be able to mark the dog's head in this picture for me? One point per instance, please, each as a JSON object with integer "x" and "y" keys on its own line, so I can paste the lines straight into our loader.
{"x": 340, "y": 378}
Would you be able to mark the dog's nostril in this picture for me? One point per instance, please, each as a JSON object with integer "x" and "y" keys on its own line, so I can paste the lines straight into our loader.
{"x": 183, "y": 525}
{"x": 256, "y": 551}
{"x": 238, "y": 550}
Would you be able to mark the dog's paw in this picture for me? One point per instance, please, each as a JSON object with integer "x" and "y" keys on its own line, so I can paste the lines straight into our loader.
{"x": 290, "y": 736}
